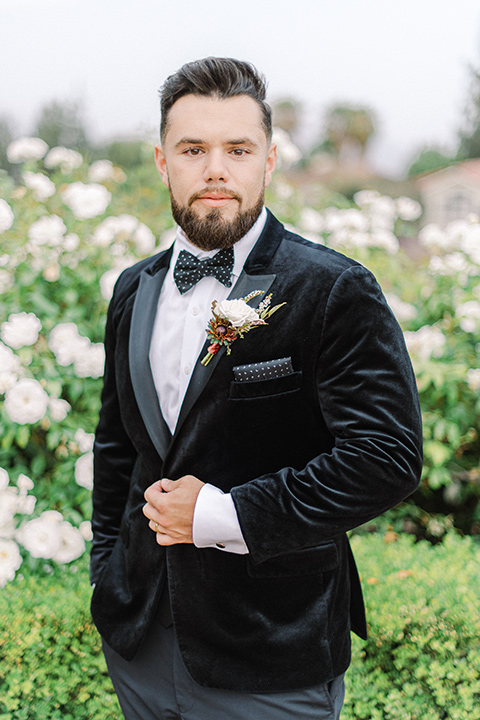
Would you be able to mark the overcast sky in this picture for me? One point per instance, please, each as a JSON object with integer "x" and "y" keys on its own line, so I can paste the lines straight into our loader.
{"x": 408, "y": 60}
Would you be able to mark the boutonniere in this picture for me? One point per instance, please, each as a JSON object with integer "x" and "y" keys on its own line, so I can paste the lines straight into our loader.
{"x": 233, "y": 318}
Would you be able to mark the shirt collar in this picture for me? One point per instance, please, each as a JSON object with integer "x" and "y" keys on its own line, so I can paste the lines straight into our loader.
{"x": 241, "y": 249}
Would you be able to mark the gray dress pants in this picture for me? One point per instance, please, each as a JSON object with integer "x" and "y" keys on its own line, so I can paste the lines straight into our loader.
{"x": 155, "y": 685}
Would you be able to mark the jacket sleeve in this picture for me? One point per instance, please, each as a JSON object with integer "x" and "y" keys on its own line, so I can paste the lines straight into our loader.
{"x": 114, "y": 459}
{"x": 367, "y": 395}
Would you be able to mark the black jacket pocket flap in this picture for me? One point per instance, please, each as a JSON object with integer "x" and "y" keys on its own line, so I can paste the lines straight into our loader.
{"x": 309, "y": 561}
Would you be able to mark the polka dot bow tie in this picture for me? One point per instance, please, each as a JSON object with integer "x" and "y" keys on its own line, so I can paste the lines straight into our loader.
{"x": 189, "y": 270}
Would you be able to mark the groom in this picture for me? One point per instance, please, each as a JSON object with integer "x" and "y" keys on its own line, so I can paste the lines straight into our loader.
{"x": 225, "y": 584}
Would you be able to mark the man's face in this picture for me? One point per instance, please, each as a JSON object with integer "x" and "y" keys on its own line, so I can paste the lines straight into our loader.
{"x": 216, "y": 162}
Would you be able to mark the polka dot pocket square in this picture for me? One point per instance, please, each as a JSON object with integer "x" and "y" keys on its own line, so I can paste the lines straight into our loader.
{"x": 263, "y": 370}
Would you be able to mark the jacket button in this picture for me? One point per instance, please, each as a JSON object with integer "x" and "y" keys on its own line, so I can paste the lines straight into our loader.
{"x": 220, "y": 545}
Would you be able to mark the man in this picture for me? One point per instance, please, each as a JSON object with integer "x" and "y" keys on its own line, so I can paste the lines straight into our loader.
{"x": 229, "y": 467}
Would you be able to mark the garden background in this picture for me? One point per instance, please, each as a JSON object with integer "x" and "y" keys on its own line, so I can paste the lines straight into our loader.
{"x": 76, "y": 211}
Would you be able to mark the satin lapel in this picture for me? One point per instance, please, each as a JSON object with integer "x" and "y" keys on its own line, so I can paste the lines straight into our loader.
{"x": 201, "y": 374}
{"x": 143, "y": 318}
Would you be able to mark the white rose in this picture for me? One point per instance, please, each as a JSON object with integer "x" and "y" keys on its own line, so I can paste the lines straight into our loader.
{"x": 91, "y": 362}
{"x": 6, "y": 216}
{"x": 26, "y": 148}
{"x": 84, "y": 440}
{"x": 41, "y": 186}
{"x": 58, "y": 409}
{"x": 237, "y": 312}
{"x": 84, "y": 471}
{"x": 10, "y": 561}
{"x": 42, "y": 537}
{"x": 26, "y": 402}
{"x": 63, "y": 157}
{"x": 20, "y": 330}
{"x": 72, "y": 544}
{"x": 86, "y": 201}
{"x": 48, "y": 230}
{"x": 24, "y": 483}
{"x": 100, "y": 171}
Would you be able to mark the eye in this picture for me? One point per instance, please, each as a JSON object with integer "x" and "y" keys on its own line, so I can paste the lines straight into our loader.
{"x": 239, "y": 152}
{"x": 193, "y": 151}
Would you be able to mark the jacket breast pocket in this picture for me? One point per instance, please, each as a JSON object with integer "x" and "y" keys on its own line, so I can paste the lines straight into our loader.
{"x": 265, "y": 388}
{"x": 309, "y": 561}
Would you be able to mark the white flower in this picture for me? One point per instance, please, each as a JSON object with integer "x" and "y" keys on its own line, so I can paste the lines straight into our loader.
{"x": 85, "y": 528}
{"x": 433, "y": 238}
{"x": 4, "y": 479}
{"x": 41, "y": 537}
{"x": 66, "y": 343}
{"x": 8, "y": 508}
{"x": 63, "y": 157}
{"x": 72, "y": 544}
{"x": 53, "y": 515}
{"x": 84, "y": 471}
{"x": 108, "y": 280}
{"x": 6, "y": 281}
{"x": 84, "y": 440}
{"x": 24, "y": 483}
{"x": 100, "y": 171}
{"x": 427, "y": 342}
{"x": 90, "y": 362}
{"x": 58, "y": 409}
{"x": 311, "y": 220}
{"x": 41, "y": 185}
{"x": 408, "y": 209}
{"x": 473, "y": 379}
{"x": 287, "y": 152}
{"x": 26, "y": 504}
{"x": 26, "y": 402}
{"x": 237, "y": 312}
{"x": 20, "y": 330}
{"x": 144, "y": 239}
{"x": 403, "y": 311}
{"x": 6, "y": 216}
{"x": 9, "y": 362}
{"x": 469, "y": 314}
{"x": 10, "y": 561}
{"x": 71, "y": 242}
{"x": 48, "y": 230}
{"x": 86, "y": 201}
{"x": 26, "y": 148}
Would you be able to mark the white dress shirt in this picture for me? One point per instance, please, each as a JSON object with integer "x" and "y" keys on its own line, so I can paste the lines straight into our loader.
{"x": 179, "y": 334}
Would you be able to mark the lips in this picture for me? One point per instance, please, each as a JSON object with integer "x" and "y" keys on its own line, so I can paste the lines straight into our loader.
{"x": 213, "y": 198}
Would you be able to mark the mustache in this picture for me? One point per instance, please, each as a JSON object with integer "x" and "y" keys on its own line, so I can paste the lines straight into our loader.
{"x": 220, "y": 190}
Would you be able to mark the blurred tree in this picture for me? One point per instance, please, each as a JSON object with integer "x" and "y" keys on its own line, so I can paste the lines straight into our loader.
{"x": 63, "y": 123}
{"x": 6, "y": 137}
{"x": 348, "y": 130}
{"x": 429, "y": 159}
{"x": 469, "y": 137}
{"x": 286, "y": 114}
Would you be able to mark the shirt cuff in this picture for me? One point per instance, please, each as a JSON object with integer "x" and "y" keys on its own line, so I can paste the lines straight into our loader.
{"x": 215, "y": 522}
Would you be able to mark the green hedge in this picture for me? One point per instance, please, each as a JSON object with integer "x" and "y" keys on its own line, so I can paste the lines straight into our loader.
{"x": 422, "y": 658}
{"x": 421, "y": 661}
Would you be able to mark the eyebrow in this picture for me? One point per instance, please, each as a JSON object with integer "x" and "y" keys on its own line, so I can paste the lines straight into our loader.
{"x": 198, "y": 141}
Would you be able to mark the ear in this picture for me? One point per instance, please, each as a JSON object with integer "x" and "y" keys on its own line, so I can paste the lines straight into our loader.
{"x": 270, "y": 164}
{"x": 161, "y": 163}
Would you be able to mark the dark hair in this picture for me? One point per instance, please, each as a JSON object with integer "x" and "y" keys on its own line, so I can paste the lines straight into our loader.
{"x": 215, "y": 77}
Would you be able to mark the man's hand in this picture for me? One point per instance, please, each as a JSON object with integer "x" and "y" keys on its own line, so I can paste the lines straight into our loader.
{"x": 170, "y": 506}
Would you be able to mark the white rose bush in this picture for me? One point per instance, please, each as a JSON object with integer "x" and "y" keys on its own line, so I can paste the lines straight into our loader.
{"x": 69, "y": 228}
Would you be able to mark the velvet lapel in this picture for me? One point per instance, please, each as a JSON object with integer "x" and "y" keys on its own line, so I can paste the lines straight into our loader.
{"x": 143, "y": 318}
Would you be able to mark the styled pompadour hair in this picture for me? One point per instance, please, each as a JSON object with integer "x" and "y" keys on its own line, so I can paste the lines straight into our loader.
{"x": 215, "y": 77}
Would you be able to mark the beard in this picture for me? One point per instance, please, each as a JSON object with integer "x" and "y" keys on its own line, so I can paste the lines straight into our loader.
{"x": 213, "y": 232}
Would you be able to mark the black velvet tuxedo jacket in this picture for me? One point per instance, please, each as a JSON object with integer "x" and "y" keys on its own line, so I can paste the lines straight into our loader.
{"x": 306, "y": 457}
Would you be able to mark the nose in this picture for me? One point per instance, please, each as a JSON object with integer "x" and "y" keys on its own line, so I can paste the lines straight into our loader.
{"x": 215, "y": 167}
